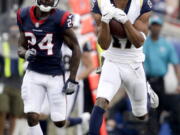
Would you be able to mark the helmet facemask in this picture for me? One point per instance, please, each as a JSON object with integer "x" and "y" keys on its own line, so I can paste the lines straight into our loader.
{"x": 46, "y": 7}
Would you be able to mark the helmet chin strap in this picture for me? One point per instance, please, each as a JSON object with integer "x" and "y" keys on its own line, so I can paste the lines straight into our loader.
{"x": 45, "y": 9}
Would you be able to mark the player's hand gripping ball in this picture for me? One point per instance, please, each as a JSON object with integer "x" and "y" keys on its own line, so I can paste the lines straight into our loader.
{"x": 107, "y": 13}
{"x": 115, "y": 17}
{"x": 117, "y": 29}
{"x": 70, "y": 87}
{"x": 116, "y": 24}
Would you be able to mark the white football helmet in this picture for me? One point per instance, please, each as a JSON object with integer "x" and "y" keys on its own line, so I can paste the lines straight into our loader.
{"x": 45, "y": 7}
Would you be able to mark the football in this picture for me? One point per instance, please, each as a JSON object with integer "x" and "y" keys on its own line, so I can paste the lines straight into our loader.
{"x": 117, "y": 29}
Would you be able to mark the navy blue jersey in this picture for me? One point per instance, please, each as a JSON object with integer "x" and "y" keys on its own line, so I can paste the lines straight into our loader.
{"x": 146, "y": 7}
{"x": 46, "y": 36}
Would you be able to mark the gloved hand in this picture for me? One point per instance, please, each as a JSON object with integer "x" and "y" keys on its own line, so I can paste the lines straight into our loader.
{"x": 120, "y": 15}
{"x": 70, "y": 87}
{"x": 106, "y": 11}
{"x": 30, "y": 55}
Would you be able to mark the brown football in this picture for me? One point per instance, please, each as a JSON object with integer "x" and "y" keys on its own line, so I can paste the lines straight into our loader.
{"x": 117, "y": 29}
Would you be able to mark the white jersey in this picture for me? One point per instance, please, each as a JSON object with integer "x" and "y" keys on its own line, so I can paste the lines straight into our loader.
{"x": 121, "y": 50}
{"x": 66, "y": 56}
{"x": 67, "y": 53}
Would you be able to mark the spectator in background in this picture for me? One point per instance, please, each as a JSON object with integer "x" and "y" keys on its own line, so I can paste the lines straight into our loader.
{"x": 11, "y": 105}
{"x": 2, "y": 113}
{"x": 159, "y": 6}
{"x": 179, "y": 10}
{"x": 159, "y": 53}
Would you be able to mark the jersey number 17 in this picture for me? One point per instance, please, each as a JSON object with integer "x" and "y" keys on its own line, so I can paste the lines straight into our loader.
{"x": 117, "y": 44}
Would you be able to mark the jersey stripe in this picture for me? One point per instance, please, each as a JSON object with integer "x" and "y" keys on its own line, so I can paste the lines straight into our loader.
{"x": 99, "y": 4}
{"x": 19, "y": 16}
{"x": 64, "y": 18}
{"x": 33, "y": 18}
{"x": 141, "y": 3}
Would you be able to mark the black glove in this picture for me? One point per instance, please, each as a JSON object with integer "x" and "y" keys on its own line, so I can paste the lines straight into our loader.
{"x": 70, "y": 87}
{"x": 30, "y": 55}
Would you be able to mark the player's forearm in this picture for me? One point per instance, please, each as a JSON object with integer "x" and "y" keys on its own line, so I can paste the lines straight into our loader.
{"x": 22, "y": 45}
{"x": 134, "y": 35}
{"x": 21, "y": 52}
{"x": 104, "y": 36}
{"x": 74, "y": 62}
{"x": 85, "y": 73}
{"x": 177, "y": 70}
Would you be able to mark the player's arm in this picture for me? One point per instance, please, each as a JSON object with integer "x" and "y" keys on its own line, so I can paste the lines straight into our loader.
{"x": 22, "y": 48}
{"x": 102, "y": 14}
{"x": 88, "y": 63}
{"x": 23, "y": 51}
{"x": 137, "y": 33}
{"x": 177, "y": 70}
{"x": 22, "y": 43}
{"x": 72, "y": 42}
{"x": 104, "y": 36}
{"x": 97, "y": 18}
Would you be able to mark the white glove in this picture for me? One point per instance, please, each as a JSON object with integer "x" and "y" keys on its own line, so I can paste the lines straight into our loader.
{"x": 120, "y": 15}
{"x": 70, "y": 87}
{"x": 30, "y": 54}
{"x": 106, "y": 11}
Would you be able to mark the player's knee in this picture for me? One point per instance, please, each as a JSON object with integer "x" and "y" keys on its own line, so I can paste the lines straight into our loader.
{"x": 60, "y": 124}
{"x": 102, "y": 102}
{"x": 143, "y": 118}
{"x": 32, "y": 119}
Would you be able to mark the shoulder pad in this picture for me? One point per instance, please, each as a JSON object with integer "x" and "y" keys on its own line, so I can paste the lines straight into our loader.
{"x": 22, "y": 13}
{"x": 63, "y": 18}
{"x": 146, "y": 6}
{"x": 95, "y": 7}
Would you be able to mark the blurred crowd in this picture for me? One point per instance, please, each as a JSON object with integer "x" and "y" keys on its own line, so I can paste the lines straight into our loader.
{"x": 162, "y": 50}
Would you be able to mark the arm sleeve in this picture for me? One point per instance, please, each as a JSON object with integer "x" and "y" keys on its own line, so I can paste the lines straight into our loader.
{"x": 19, "y": 20}
{"x": 146, "y": 7}
{"x": 173, "y": 58}
{"x": 66, "y": 21}
{"x": 95, "y": 8}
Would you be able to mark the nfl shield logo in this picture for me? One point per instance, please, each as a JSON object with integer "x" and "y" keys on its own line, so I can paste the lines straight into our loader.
{"x": 37, "y": 25}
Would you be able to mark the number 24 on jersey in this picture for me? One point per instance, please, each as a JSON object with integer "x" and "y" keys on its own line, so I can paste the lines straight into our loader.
{"x": 44, "y": 44}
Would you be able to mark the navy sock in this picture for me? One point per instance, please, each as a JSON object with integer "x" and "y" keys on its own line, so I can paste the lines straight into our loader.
{"x": 44, "y": 126}
{"x": 74, "y": 121}
{"x": 96, "y": 120}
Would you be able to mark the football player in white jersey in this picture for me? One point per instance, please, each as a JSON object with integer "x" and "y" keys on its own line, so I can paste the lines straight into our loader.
{"x": 123, "y": 56}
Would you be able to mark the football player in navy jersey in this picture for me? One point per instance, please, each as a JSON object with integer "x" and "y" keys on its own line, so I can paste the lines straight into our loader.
{"x": 43, "y": 30}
